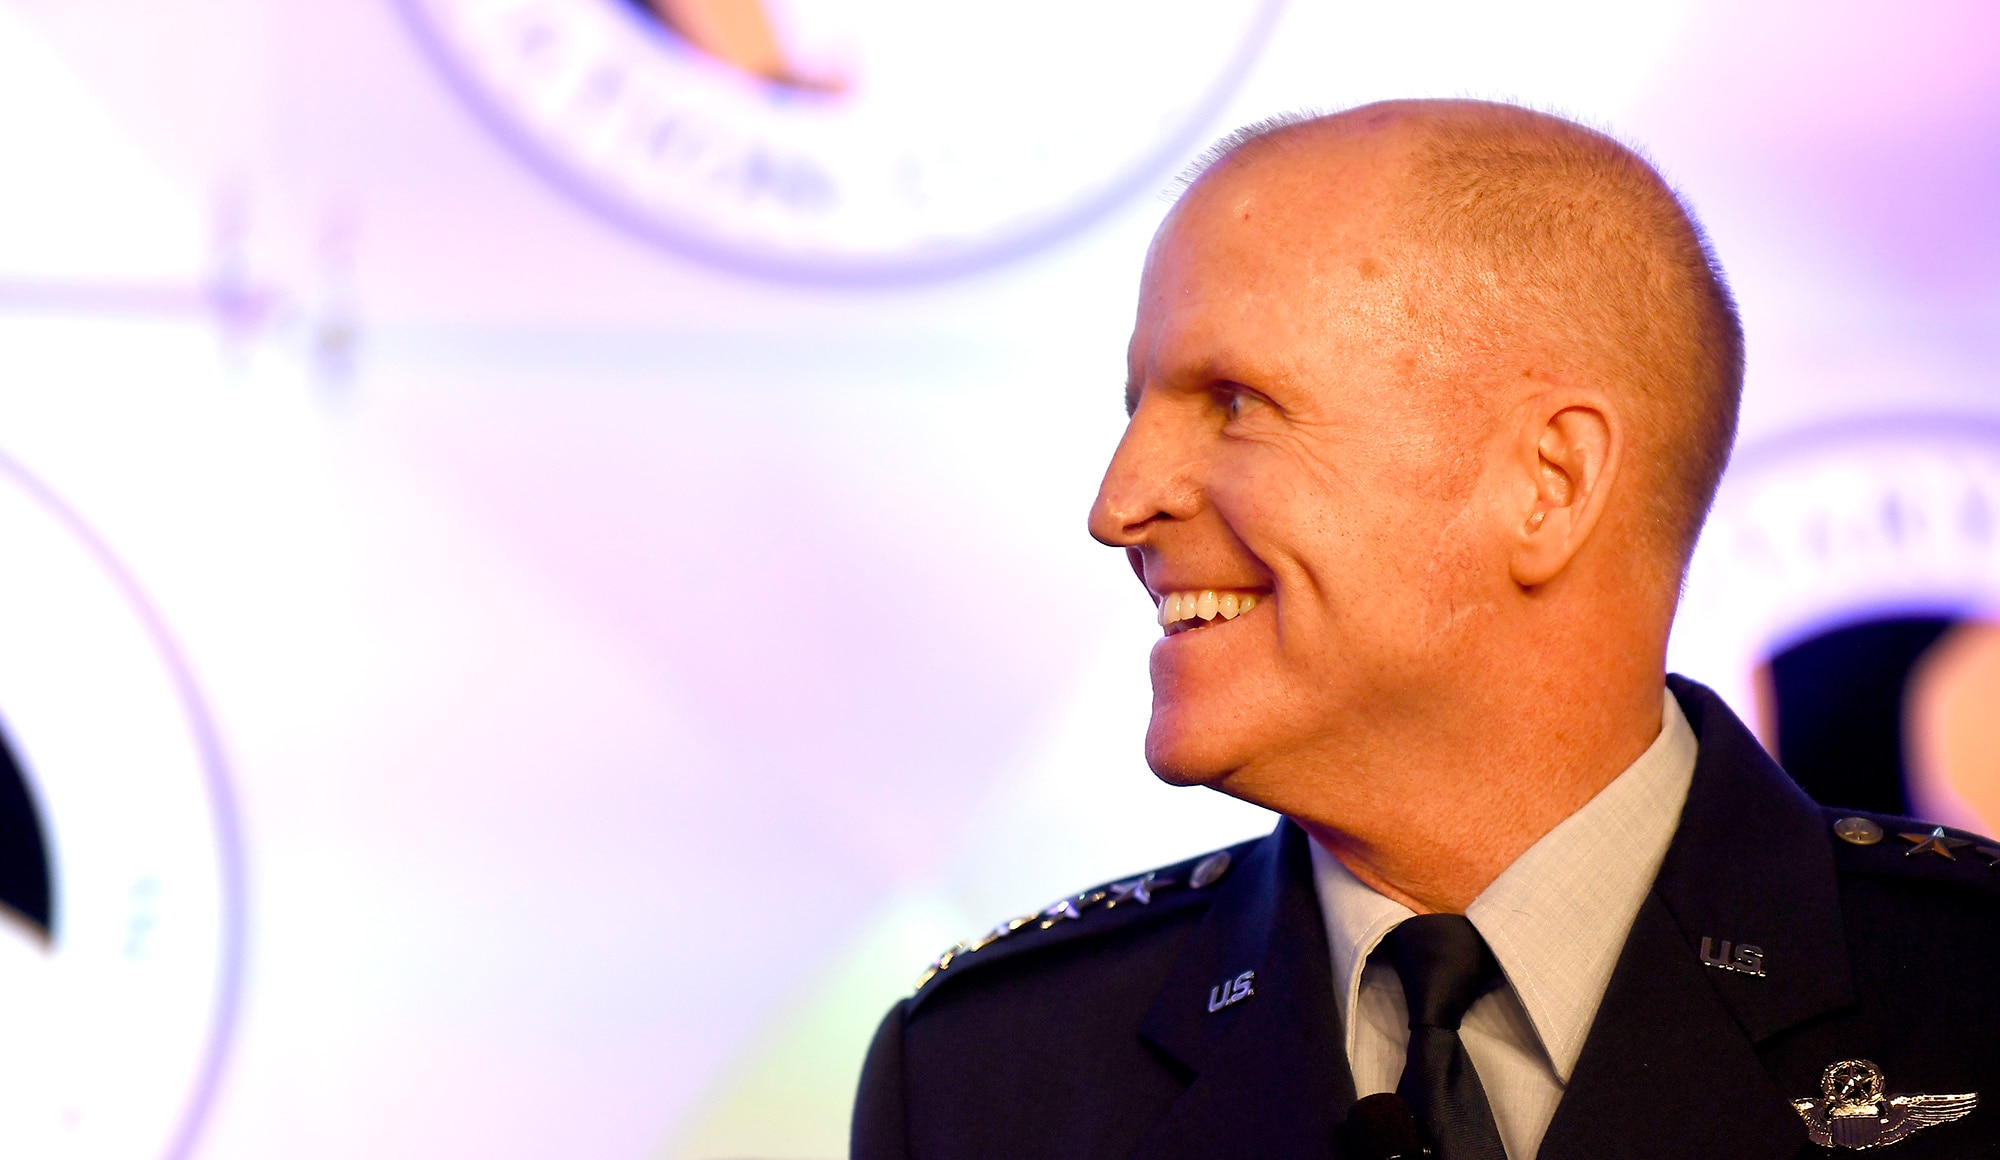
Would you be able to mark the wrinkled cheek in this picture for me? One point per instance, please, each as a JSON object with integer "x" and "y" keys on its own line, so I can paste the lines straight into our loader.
{"x": 1449, "y": 587}
{"x": 1263, "y": 498}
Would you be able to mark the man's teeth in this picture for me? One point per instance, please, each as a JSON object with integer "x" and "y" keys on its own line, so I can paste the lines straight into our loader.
{"x": 1206, "y": 604}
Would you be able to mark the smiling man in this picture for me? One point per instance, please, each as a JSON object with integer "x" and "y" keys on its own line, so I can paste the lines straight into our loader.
{"x": 1428, "y": 402}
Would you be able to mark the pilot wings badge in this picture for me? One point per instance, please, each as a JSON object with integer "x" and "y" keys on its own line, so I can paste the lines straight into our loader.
{"x": 1853, "y": 1113}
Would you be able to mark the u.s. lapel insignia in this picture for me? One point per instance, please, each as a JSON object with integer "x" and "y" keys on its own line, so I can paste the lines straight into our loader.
{"x": 1852, "y": 1111}
{"x": 1935, "y": 842}
{"x": 1747, "y": 960}
{"x": 1232, "y": 991}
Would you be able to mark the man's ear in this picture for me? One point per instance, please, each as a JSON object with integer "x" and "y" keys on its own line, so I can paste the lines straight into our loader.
{"x": 1569, "y": 445}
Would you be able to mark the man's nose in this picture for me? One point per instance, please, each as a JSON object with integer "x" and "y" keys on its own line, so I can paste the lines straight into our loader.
{"x": 1153, "y": 479}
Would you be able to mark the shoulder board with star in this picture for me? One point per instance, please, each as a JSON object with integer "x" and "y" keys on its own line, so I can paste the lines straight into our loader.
{"x": 1892, "y": 846}
{"x": 1154, "y": 895}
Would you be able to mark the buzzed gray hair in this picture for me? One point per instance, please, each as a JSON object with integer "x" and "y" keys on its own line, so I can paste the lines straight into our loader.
{"x": 1227, "y": 144}
{"x": 1532, "y": 236}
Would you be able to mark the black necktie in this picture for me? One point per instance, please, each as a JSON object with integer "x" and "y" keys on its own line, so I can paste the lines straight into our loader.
{"x": 1445, "y": 965}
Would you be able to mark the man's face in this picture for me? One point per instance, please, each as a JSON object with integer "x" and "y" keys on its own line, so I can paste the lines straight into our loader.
{"x": 1281, "y": 450}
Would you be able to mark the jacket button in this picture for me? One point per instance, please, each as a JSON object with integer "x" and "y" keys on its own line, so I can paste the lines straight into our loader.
{"x": 1210, "y": 869}
{"x": 1858, "y": 831}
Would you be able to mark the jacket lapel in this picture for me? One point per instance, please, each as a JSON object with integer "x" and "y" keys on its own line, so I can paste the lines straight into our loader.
{"x": 1671, "y": 1068}
{"x": 1266, "y": 1078}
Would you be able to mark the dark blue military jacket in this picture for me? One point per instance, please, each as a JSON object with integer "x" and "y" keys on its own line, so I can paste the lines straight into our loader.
{"x": 1112, "y": 1034}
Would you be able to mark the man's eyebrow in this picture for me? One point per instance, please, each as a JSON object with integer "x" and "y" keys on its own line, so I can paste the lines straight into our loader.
{"x": 1131, "y": 398}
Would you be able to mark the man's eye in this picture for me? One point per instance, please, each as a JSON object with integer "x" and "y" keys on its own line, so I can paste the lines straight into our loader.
{"x": 1238, "y": 404}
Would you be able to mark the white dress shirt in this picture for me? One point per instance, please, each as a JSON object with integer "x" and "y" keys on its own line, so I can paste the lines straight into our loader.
{"x": 1556, "y": 920}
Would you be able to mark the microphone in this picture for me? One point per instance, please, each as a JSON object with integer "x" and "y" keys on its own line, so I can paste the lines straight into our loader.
{"x": 1380, "y": 1127}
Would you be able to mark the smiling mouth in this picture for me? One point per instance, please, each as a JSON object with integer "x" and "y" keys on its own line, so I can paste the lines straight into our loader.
{"x": 1186, "y": 611}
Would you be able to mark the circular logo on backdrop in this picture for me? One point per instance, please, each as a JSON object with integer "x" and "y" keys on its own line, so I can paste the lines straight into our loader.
{"x": 1824, "y": 527}
{"x": 120, "y": 906}
{"x": 849, "y": 138}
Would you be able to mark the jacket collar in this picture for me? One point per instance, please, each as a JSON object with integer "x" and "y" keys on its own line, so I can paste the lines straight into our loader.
{"x": 1670, "y": 1068}
{"x": 1265, "y": 1077}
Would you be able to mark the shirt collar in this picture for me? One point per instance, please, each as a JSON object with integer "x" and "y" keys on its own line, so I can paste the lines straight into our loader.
{"x": 1558, "y": 916}
{"x": 1357, "y": 919}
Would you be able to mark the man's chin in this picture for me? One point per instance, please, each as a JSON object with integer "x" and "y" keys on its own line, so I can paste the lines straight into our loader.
{"x": 1190, "y": 756}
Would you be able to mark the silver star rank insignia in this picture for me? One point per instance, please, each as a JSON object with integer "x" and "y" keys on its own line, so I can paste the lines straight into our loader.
{"x": 1935, "y": 842}
{"x": 1058, "y": 911}
{"x": 1852, "y": 1112}
{"x": 1139, "y": 890}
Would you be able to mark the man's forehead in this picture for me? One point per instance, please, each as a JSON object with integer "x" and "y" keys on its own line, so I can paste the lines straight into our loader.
{"x": 1258, "y": 261}
{"x": 1289, "y": 218}
{"x": 1335, "y": 168}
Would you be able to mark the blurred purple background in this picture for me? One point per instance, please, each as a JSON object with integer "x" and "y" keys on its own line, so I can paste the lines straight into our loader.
{"x": 633, "y": 670}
